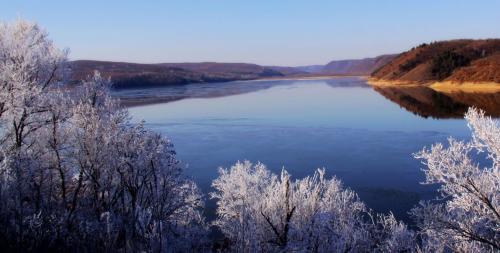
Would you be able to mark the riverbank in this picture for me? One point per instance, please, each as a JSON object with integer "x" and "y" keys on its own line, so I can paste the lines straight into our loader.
{"x": 445, "y": 86}
{"x": 311, "y": 77}
{"x": 485, "y": 87}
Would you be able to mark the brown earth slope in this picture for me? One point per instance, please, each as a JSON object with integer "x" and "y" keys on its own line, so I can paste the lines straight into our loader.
{"x": 455, "y": 61}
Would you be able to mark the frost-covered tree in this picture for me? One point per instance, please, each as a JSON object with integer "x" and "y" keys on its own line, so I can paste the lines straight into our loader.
{"x": 30, "y": 67}
{"x": 261, "y": 212}
{"x": 130, "y": 175}
{"x": 467, "y": 216}
{"x": 30, "y": 64}
{"x": 75, "y": 173}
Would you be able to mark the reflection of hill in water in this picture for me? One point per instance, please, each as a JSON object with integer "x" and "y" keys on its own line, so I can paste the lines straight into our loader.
{"x": 347, "y": 82}
{"x": 427, "y": 102}
{"x": 140, "y": 96}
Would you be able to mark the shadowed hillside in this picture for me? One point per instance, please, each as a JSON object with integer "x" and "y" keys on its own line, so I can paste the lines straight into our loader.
{"x": 129, "y": 75}
{"x": 357, "y": 67}
{"x": 135, "y": 75}
{"x": 348, "y": 67}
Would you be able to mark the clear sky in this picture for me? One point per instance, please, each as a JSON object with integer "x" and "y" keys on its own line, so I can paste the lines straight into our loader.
{"x": 268, "y": 32}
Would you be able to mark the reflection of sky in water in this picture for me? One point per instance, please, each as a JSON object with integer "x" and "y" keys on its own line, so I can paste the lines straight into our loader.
{"x": 354, "y": 132}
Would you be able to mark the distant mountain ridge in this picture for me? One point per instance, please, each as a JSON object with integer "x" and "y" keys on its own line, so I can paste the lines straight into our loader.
{"x": 358, "y": 67}
{"x": 455, "y": 61}
{"x": 349, "y": 67}
{"x": 130, "y": 75}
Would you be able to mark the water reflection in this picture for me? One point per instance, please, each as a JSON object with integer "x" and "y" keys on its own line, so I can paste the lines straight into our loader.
{"x": 426, "y": 102}
{"x": 341, "y": 124}
{"x": 347, "y": 82}
{"x": 141, "y": 96}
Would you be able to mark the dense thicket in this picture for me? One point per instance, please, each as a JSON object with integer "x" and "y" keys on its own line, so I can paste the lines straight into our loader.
{"x": 75, "y": 174}
{"x": 445, "y": 63}
{"x": 261, "y": 212}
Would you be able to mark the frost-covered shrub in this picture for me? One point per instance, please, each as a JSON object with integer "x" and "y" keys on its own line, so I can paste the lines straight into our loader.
{"x": 261, "y": 212}
{"x": 467, "y": 217}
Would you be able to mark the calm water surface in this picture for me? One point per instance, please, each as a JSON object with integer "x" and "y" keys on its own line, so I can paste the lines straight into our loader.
{"x": 341, "y": 125}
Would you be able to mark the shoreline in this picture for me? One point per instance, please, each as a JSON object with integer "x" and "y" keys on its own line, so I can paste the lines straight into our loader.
{"x": 482, "y": 87}
{"x": 444, "y": 86}
{"x": 319, "y": 77}
{"x": 391, "y": 83}
{"x": 150, "y": 100}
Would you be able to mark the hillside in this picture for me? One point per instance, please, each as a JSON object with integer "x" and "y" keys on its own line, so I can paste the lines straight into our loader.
{"x": 348, "y": 67}
{"x": 128, "y": 75}
{"x": 357, "y": 67}
{"x": 455, "y": 61}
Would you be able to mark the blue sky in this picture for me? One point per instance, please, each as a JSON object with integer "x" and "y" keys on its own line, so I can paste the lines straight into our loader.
{"x": 269, "y": 32}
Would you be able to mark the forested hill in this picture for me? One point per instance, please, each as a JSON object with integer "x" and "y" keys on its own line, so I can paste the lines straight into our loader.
{"x": 129, "y": 75}
{"x": 457, "y": 61}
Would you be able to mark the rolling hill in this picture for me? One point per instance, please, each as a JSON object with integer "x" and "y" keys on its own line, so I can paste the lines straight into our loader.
{"x": 454, "y": 61}
{"x": 132, "y": 75}
{"x": 348, "y": 67}
{"x": 129, "y": 75}
{"x": 357, "y": 67}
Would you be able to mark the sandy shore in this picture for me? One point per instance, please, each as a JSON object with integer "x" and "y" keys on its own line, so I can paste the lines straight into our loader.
{"x": 447, "y": 86}
{"x": 391, "y": 83}
{"x": 466, "y": 87}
